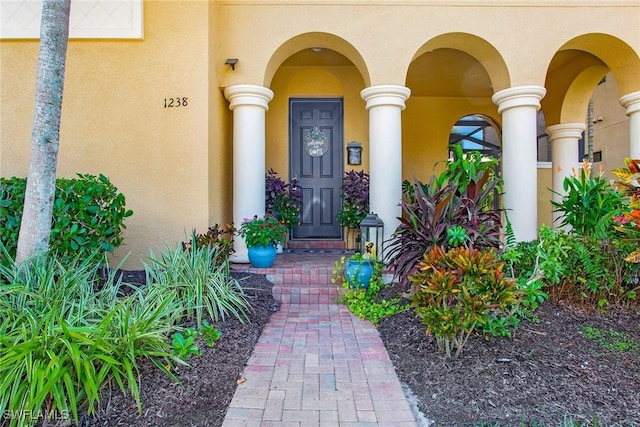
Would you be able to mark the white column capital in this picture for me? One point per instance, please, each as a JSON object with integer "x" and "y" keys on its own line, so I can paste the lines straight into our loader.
{"x": 390, "y": 95}
{"x": 248, "y": 95}
{"x": 631, "y": 102}
{"x": 566, "y": 130}
{"x": 519, "y": 96}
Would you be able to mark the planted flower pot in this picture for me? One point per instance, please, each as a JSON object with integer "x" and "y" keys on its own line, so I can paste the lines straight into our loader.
{"x": 262, "y": 256}
{"x": 358, "y": 272}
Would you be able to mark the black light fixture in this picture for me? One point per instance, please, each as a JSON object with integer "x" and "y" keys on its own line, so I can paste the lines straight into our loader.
{"x": 232, "y": 62}
{"x": 371, "y": 236}
{"x": 354, "y": 153}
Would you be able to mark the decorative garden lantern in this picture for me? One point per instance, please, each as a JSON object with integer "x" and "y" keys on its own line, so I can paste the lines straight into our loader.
{"x": 371, "y": 235}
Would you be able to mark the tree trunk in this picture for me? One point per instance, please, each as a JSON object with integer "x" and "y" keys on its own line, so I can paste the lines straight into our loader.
{"x": 35, "y": 228}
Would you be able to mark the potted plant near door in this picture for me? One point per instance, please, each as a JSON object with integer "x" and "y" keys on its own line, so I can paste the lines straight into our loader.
{"x": 261, "y": 235}
{"x": 282, "y": 199}
{"x": 355, "y": 202}
{"x": 359, "y": 269}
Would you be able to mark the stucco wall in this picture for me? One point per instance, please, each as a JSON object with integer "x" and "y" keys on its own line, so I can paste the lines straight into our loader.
{"x": 114, "y": 121}
{"x": 388, "y": 34}
{"x": 610, "y": 127}
{"x": 544, "y": 195}
{"x": 219, "y": 122}
{"x": 427, "y": 123}
{"x": 175, "y": 164}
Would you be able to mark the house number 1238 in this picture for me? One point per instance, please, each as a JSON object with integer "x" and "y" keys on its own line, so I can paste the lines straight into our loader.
{"x": 175, "y": 102}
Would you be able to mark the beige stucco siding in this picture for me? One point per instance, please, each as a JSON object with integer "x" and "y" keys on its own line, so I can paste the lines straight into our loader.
{"x": 114, "y": 121}
{"x": 388, "y": 35}
{"x": 175, "y": 164}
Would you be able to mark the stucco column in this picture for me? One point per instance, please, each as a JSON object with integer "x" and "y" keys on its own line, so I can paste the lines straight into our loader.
{"x": 519, "y": 106}
{"x": 564, "y": 139}
{"x": 631, "y": 103}
{"x": 249, "y": 104}
{"x": 385, "y": 104}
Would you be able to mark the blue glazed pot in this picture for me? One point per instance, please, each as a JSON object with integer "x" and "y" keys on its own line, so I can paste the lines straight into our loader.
{"x": 262, "y": 256}
{"x": 358, "y": 273}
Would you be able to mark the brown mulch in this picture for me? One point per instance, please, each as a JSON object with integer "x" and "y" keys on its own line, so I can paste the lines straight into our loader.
{"x": 549, "y": 371}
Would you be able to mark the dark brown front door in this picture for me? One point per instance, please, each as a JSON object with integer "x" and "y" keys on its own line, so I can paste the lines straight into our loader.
{"x": 315, "y": 148}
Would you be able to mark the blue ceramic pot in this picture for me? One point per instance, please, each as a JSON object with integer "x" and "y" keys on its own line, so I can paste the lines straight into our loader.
{"x": 358, "y": 273}
{"x": 262, "y": 256}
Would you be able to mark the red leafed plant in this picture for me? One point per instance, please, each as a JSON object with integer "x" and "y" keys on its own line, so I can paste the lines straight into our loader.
{"x": 629, "y": 222}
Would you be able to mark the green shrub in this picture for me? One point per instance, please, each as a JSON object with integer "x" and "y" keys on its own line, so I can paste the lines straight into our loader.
{"x": 465, "y": 168}
{"x": 62, "y": 340}
{"x": 88, "y": 215}
{"x": 457, "y": 290}
{"x": 579, "y": 269}
{"x": 200, "y": 280}
{"x": 215, "y": 237}
{"x": 588, "y": 204}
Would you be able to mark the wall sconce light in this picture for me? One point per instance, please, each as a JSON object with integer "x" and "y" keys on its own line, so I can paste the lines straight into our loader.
{"x": 232, "y": 62}
{"x": 354, "y": 153}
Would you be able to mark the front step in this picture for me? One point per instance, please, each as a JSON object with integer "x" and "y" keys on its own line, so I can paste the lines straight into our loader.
{"x": 315, "y": 244}
{"x": 301, "y": 277}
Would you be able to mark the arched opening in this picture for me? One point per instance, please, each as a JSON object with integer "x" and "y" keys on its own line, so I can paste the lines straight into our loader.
{"x": 316, "y": 109}
{"x": 476, "y": 132}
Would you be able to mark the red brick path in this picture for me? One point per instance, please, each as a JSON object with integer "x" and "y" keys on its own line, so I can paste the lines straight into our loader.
{"x": 315, "y": 363}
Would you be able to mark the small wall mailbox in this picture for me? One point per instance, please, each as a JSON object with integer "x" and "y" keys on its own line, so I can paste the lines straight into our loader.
{"x": 354, "y": 153}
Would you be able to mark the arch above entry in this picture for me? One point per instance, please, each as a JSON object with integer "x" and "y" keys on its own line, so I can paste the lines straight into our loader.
{"x": 481, "y": 50}
{"x": 315, "y": 40}
{"x": 622, "y": 59}
{"x": 578, "y": 66}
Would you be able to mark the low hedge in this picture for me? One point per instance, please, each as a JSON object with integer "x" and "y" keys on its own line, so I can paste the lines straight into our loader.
{"x": 88, "y": 215}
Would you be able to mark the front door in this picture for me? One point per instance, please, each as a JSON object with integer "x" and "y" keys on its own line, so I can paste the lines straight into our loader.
{"x": 315, "y": 149}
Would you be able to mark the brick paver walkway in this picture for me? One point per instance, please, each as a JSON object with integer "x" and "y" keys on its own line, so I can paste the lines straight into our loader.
{"x": 318, "y": 365}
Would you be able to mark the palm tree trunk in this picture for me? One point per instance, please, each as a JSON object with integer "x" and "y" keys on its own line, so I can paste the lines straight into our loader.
{"x": 35, "y": 228}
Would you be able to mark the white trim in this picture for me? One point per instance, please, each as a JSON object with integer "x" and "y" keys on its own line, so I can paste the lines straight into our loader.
{"x": 544, "y": 165}
{"x": 99, "y": 19}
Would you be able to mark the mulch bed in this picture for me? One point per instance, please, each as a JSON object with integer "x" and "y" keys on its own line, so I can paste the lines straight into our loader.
{"x": 207, "y": 384}
{"x": 548, "y": 371}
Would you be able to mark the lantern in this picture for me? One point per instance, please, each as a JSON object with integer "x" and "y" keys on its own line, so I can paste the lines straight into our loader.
{"x": 371, "y": 235}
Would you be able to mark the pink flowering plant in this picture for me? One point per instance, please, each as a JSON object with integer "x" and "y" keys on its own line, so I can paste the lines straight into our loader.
{"x": 263, "y": 231}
